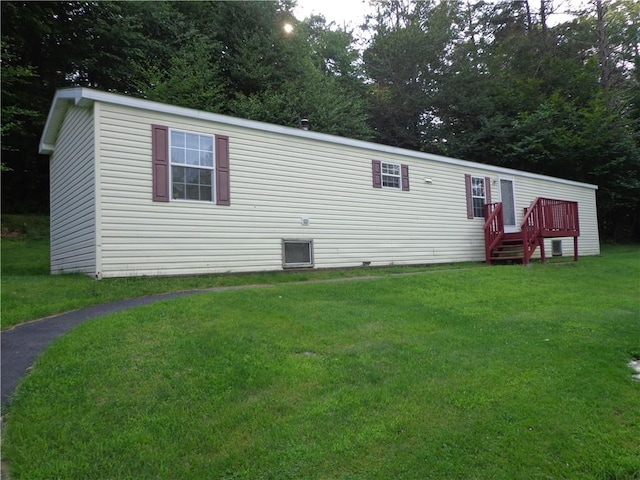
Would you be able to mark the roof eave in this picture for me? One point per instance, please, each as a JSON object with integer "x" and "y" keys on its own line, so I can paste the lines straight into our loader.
{"x": 85, "y": 97}
{"x": 62, "y": 100}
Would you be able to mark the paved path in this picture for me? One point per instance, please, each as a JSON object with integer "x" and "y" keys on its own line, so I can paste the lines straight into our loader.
{"x": 22, "y": 344}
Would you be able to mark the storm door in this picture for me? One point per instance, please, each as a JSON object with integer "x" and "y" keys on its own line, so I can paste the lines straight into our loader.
{"x": 507, "y": 197}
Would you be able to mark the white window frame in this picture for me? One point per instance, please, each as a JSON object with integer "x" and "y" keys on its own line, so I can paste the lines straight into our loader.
{"x": 474, "y": 196}
{"x": 286, "y": 264}
{"x": 211, "y": 168}
{"x": 387, "y": 176}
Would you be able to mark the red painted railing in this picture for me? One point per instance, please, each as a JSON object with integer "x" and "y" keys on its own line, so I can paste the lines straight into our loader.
{"x": 493, "y": 227}
{"x": 545, "y": 218}
{"x": 559, "y": 218}
{"x": 531, "y": 230}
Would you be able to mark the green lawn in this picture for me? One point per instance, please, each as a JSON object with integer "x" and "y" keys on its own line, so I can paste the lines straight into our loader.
{"x": 30, "y": 292}
{"x": 485, "y": 373}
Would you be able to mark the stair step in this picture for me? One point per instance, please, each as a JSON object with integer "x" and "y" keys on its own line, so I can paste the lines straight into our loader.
{"x": 507, "y": 249}
{"x": 511, "y": 249}
{"x": 507, "y": 260}
{"x": 512, "y": 236}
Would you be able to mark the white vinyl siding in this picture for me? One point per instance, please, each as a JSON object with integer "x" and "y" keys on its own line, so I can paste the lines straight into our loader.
{"x": 276, "y": 181}
{"x": 279, "y": 190}
{"x": 527, "y": 189}
{"x": 72, "y": 195}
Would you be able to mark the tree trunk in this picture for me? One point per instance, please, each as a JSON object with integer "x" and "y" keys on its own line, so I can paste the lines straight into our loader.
{"x": 529, "y": 20}
{"x": 543, "y": 20}
{"x": 603, "y": 53}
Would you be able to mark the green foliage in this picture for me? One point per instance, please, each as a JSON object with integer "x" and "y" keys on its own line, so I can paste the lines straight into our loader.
{"x": 485, "y": 81}
{"x": 445, "y": 375}
{"x": 509, "y": 90}
{"x": 14, "y": 116}
{"x": 403, "y": 61}
{"x": 308, "y": 73}
{"x": 192, "y": 79}
{"x": 587, "y": 143}
{"x": 29, "y": 228}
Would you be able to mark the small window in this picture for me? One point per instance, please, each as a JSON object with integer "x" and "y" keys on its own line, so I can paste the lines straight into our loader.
{"x": 478, "y": 195}
{"x": 556, "y": 248}
{"x": 390, "y": 175}
{"x": 192, "y": 166}
{"x": 297, "y": 253}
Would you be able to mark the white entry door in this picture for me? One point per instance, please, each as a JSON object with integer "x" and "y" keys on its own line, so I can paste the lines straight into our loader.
{"x": 508, "y": 199}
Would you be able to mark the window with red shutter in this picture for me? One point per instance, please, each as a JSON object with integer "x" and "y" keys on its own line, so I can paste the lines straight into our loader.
{"x": 184, "y": 166}
{"x": 478, "y": 194}
{"x": 390, "y": 175}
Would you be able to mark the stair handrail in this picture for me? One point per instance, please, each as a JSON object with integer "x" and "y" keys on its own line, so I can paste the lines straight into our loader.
{"x": 493, "y": 227}
{"x": 531, "y": 230}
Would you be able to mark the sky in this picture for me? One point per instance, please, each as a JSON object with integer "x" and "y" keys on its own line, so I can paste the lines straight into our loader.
{"x": 352, "y": 12}
{"x": 343, "y": 12}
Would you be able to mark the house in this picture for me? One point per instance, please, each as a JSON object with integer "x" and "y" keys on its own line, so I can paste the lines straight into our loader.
{"x": 144, "y": 188}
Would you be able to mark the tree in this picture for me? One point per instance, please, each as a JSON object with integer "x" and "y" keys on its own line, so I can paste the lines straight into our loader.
{"x": 499, "y": 85}
{"x": 227, "y": 57}
{"x": 14, "y": 116}
{"x": 403, "y": 61}
{"x": 192, "y": 78}
{"x": 49, "y": 45}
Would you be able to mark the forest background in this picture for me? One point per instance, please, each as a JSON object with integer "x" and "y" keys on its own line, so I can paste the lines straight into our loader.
{"x": 490, "y": 82}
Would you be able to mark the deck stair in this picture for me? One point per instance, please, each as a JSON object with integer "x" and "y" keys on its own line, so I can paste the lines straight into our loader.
{"x": 510, "y": 248}
{"x": 545, "y": 218}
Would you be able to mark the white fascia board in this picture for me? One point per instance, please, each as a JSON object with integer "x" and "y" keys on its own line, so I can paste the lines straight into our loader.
{"x": 61, "y": 102}
{"x": 82, "y": 95}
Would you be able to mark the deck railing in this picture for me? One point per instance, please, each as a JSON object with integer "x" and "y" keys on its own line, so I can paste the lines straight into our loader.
{"x": 545, "y": 218}
{"x": 548, "y": 217}
{"x": 493, "y": 227}
{"x": 559, "y": 218}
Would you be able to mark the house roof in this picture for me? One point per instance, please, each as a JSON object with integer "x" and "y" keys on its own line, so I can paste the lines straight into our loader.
{"x": 80, "y": 96}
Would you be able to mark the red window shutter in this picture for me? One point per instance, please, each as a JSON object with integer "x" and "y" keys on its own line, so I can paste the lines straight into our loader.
{"x": 376, "y": 167}
{"x": 405, "y": 177}
{"x": 487, "y": 189}
{"x": 223, "y": 189}
{"x": 467, "y": 182}
{"x": 160, "y": 160}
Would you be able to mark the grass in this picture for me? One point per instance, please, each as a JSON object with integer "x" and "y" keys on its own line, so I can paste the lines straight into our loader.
{"x": 30, "y": 292}
{"x": 488, "y": 373}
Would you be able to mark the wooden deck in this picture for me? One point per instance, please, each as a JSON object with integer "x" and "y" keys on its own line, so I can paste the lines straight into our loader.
{"x": 545, "y": 218}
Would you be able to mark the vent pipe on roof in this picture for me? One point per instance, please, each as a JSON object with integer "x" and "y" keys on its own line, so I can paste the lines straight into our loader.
{"x": 304, "y": 124}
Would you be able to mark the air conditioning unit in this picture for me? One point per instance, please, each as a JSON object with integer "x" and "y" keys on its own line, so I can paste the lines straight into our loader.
{"x": 297, "y": 253}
